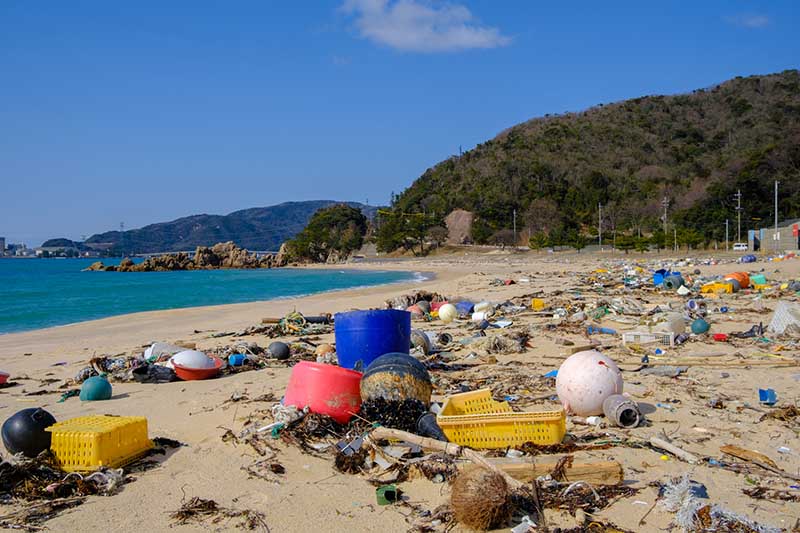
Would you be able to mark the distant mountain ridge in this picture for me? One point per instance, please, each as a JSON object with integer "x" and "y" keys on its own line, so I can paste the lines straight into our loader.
{"x": 258, "y": 228}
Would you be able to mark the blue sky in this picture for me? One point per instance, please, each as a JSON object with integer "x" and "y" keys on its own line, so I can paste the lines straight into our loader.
{"x": 145, "y": 111}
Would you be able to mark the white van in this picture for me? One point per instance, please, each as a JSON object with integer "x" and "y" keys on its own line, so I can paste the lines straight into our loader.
{"x": 740, "y": 247}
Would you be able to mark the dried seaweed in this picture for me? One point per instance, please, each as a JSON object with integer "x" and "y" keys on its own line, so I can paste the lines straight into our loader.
{"x": 350, "y": 464}
{"x": 530, "y": 448}
{"x": 766, "y": 493}
{"x": 582, "y": 496}
{"x": 559, "y": 472}
{"x": 787, "y": 413}
{"x": 593, "y": 527}
{"x": 437, "y": 464}
{"x": 199, "y": 510}
{"x": 31, "y": 517}
{"x": 394, "y": 414}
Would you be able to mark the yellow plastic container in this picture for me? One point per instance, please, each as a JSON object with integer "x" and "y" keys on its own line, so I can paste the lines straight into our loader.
{"x": 88, "y": 442}
{"x": 537, "y": 304}
{"x": 717, "y": 288}
{"x": 762, "y": 286}
{"x": 473, "y": 419}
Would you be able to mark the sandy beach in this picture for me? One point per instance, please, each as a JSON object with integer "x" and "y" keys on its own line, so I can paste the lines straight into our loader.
{"x": 313, "y": 495}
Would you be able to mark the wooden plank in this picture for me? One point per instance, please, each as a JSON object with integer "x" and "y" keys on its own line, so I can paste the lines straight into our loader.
{"x": 595, "y": 472}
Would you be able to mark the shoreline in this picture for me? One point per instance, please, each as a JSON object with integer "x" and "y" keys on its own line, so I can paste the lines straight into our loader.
{"x": 417, "y": 276}
{"x": 119, "y": 333}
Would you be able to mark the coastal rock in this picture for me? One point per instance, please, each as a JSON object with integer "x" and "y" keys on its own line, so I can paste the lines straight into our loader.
{"x": 96, "y": 266}
{"x": 126, "y": 265}
{"x": 221, "y": 255}
{"x": 283, "y": 256}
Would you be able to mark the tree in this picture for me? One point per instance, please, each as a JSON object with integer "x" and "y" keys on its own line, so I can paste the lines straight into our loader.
{"x": 437, "y": 235}
{"x": 503, "y": 237}
{"x": 576, "y": 240}
{"x": 333, "y": 232}
{"x": 642, "y": 244}
{"x": 539, "y": 240}
{"x": 397, "y": 229}
{"x": 626, "y": 243}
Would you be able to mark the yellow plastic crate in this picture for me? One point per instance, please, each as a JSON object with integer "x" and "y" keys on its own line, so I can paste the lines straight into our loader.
{"x": 537, "y": 304}
{"x": 717, "y": 288}
{"x": 89, "y": 442}
{"x": 473, "y": 419}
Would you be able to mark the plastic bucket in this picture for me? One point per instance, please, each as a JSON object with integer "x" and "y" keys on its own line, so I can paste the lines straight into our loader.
{"x": 673, "y": 281}
{"x": 324, "y": 389}
{"x": 363, "y": 336}
{"x": 658, "y": 276}
{"x": 743, "y": 278}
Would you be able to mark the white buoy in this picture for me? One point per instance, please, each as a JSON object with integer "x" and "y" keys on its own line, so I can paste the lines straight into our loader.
{"x": 585, "y": 380}
{"x": 192, "y": 359}
{"x": 448, "y": 313}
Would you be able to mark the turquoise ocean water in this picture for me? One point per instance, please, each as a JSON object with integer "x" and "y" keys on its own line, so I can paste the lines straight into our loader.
{"x": 38, "y": 293}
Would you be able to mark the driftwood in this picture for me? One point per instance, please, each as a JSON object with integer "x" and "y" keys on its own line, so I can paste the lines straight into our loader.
{"x": 758, "y": 459}
{"x": 674, "y": 450}
{"x": 447, "y": 447}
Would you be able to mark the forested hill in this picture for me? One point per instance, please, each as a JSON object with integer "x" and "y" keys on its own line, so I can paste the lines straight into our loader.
{"x": 696, "y": 149}
{"x": 259, "y": 228}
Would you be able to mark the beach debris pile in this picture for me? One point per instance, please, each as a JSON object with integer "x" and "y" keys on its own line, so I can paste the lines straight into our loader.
{"x": 631, "y": 383}
{"x": 39, "y": 489}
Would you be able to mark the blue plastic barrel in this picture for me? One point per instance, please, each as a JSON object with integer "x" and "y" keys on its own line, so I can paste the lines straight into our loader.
{"x": 362, "y": 336}
{"x": 464, "y": 308}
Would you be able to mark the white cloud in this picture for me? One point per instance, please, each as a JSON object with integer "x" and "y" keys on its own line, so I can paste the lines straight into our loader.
{"x": 749, "y": 21}
{"x": 421, "y": 26}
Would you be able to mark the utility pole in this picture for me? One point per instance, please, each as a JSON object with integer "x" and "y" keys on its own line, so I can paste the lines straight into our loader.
{"x": 776, "y": 217}
{"x": 600, "y": 225}
{"x": 515, "y": 228}
{"x": 665, "y": 203}
{"x": 739, "y": 215}
{"x": 726, "y": 235}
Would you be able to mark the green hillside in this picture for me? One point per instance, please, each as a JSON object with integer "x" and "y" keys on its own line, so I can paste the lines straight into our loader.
{"x": 696, "y": 149}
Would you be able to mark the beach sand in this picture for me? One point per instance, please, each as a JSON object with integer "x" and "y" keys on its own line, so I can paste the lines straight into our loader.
{"x": 312, "y": 495}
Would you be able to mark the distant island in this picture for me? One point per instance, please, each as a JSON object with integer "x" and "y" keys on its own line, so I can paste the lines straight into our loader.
{"x": 261, "y": 228}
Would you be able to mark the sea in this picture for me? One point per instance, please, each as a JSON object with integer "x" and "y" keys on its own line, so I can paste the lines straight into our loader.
{"x": 39, "y": 293}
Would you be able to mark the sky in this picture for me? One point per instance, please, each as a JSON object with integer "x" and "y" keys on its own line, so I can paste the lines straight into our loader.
{"x": 146, "y": 111}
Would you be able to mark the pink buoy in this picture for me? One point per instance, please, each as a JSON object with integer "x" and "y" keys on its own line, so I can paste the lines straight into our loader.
{"x": 585, "y": 380}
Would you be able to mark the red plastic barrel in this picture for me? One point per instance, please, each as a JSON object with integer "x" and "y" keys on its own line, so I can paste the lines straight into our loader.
{"x": 436, "y": 305}
{"x": 325, "y": 389}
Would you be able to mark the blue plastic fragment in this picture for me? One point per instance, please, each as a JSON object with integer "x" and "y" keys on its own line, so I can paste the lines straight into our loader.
{"x": 551, "y": 374}
{"x": 767, "y": 396}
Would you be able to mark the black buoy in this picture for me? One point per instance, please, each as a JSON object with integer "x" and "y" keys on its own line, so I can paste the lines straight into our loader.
{"x": 396, "y": 377}
{"x": 25, "y": 432}
{"x": 279, "y": 350}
